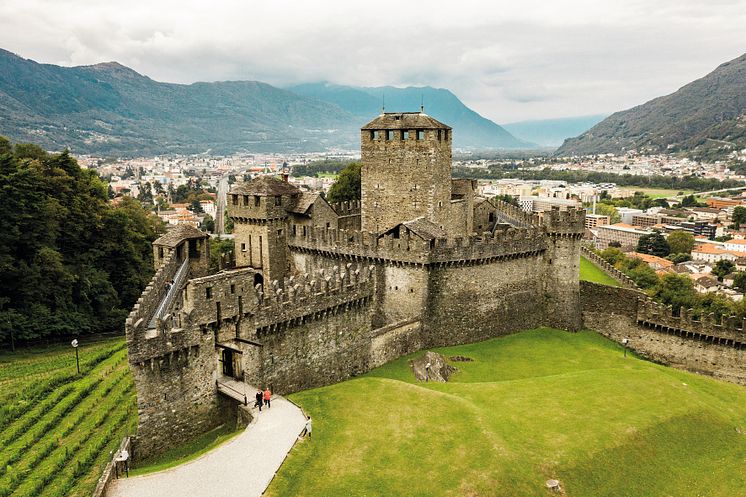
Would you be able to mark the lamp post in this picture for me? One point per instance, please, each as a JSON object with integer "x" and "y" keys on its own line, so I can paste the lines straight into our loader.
{"x": 625, "y": 341}
{"x": 77, "y": 360}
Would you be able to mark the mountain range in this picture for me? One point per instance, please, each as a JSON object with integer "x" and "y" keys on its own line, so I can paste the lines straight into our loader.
{"x": 110, "y": 109}
{"x": 705, "y": 119}
{"x": 552, "y": 132}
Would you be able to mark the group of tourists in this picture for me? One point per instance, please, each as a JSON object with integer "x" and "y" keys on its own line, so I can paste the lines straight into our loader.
{"x": 263, "y": 398}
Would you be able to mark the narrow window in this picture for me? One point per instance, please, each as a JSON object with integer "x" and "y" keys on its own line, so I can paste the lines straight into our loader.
{"x": 233, "y": 288}
{"x": 278, "y": 200}
{"x": 376, "y": 135}
{"x": 235, "y": 199}
{"x": 373, "y": 135}
{"x": 279, "y": 233}
{"x": 243, "y": 247}
{"x": 445, "y": 134}
{"x": 256, "y": 200}
{"x": 405, "y": 135}
{"x": 208, "y": 292}
{"x": 420, "y": 134}
{"x": 246, "y": 200}
{"x": 390, "y": 134}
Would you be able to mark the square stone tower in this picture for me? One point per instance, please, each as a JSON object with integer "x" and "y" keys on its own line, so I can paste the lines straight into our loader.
{"x": 406, "y": 170}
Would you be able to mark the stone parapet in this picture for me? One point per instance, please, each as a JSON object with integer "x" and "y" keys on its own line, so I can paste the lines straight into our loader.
{"x": 306, "y": 295}
{"x": 724, "y": 330}
{"x": 607, "y": 268}
{"x": 570, "y": 222}
{"x": 413, "y": 250}
{"x": 347, "y": 208}
{"x": 146, "y": 305}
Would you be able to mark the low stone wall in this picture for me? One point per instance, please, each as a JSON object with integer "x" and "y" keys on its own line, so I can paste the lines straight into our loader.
{"x": 617, "y": 314}
{"x": 393, "y": 341}
{"x": 110, "y": 469}
{"x": 607, "y": 268}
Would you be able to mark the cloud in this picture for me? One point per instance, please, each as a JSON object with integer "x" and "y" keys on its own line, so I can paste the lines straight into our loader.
{"x": 508, "y": 60}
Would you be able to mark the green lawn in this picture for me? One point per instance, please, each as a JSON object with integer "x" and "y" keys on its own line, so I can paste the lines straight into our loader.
{"x": 656, "y": 192}
{"x": 187, "y": 451}
{"x": 57, "y": 428}
{"x": 590, "y": 272}
{"x": 532, "y": 406}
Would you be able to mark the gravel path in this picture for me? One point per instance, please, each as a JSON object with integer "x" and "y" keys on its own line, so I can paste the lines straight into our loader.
{"x": 242, "y": 467}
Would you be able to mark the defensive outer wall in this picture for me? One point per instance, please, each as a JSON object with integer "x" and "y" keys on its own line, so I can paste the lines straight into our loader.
{"x": 701, "y": 344}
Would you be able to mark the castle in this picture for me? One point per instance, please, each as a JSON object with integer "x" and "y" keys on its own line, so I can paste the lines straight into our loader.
{"x": 323, "y": 292}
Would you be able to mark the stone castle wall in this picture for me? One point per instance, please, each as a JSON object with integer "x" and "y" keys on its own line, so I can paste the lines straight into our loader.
{"x": 469, "y": 303}
{"x": 702, "y": 346}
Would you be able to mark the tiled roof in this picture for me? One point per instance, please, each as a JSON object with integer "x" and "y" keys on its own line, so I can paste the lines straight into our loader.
{"x": 405, "y": 120}
{"x": 265, "y": 186}
{"x": 302, "y": 203}
{"x": 178, "y": 234}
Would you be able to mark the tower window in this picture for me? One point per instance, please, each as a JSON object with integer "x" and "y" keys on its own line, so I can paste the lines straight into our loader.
{"x": 405, "y": 135}
{"x": 235, "y": 199}
{"x": 278, "y": 200}
{"x": 208, "y": 292}
{"x": 246, "y": 200}
{"x": 390, "y": 135}
{"x": 445, "y": 134}
{"x": 375, "y": 135}
{"x": 243, "y": 247}
{"x": 420, "y": 134}
{"x": 256, "y": 200}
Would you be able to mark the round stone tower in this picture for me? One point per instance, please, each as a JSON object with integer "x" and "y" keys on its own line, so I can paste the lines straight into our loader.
{"x": 406, "y": 170}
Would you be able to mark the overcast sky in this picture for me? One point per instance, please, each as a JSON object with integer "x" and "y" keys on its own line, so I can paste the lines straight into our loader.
{"x": 510, "y": 61}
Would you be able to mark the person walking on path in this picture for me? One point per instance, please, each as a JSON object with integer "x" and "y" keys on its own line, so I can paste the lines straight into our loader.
{"x": 267, "y": 397}
{"x": 308, "y": 427}
{"x": 258, "y": 402}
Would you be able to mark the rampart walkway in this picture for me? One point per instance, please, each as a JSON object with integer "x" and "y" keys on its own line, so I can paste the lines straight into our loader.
{"x": 242, "y": 467}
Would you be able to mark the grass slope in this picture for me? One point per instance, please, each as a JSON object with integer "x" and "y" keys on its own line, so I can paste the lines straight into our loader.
{"x": 594, "y": 274}
{"x": 536, "y": 405}
{"x": 57, "y": 428}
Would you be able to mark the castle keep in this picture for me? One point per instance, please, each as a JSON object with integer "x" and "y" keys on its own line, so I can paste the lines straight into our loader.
{"x": 324, "y": 292}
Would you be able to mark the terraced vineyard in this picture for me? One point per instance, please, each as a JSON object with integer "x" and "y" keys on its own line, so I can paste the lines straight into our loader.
{"x": 58, "y": 428}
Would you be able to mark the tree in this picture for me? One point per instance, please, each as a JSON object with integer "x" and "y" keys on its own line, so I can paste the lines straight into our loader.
{"x": 615, "y": 244}
{"x": 689, "y": 201}
{"x": 739, "y": 281}
{"x": 347, "y": 186}
{"x": 676, "y": 290}
{"x": 739, "y": 216}
{"x": 208, "y": 224}
{"x": 678, "y": 258}
{"x": 723, "y": 268}
{"x": 604, "y": 209}
{"x": 612, "y": 255}
{"x": 70, "y": 262}
{"x": 654, "y": 244}
{"x": 680, "y": 242}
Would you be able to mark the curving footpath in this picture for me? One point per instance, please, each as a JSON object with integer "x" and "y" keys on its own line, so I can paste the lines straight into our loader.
{"x": 242, "y": 467}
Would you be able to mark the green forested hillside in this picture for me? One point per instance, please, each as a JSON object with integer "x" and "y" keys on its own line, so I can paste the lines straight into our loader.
{"x": 706, "y": 118}
{"x": 70, "y": 262}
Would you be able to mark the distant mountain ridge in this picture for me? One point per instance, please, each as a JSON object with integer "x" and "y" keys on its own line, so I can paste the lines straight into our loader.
{"x": 471, "y": 130}
{"x": 552, "y": 132}
{"x": 705, "y": 118}
{"x": 110, "y": 109}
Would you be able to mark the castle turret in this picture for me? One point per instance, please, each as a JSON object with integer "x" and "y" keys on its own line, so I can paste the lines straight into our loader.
{"x": 406, "y": 170}
{"x": 259, "y": 210}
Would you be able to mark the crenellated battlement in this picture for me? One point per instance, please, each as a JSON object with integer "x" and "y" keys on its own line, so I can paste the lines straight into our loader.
{"x": 308, "y": 294}
{"x": 725, "y": 330}
{"x": 145, "y": 307}
{"x": 347, "y": 208}
{"x": 563, "y": 223}
{"x": 412, "y": 249}
{"x": 607, "y": 268}
{"x": 515, "y": 215}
